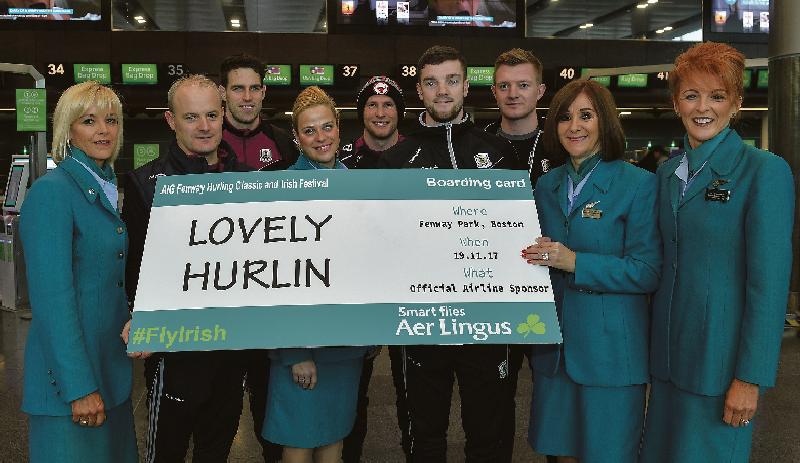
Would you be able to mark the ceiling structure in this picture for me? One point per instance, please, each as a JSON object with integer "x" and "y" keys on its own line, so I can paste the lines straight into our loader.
{"x": 220, "y": 15}
{"x": 612, "y": 19}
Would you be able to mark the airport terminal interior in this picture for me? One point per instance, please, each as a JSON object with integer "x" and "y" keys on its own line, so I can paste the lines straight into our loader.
{"x": 141, "y": 47}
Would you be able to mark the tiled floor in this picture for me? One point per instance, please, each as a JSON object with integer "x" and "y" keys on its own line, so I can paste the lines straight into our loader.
{"x": 777, "y": 435}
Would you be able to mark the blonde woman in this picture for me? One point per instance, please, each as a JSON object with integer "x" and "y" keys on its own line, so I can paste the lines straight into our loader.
{"x": 311, "y": 405}
{"x": 77, "y": 376}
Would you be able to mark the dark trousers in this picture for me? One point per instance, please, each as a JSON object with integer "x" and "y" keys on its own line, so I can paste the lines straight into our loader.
{"x": 354, "y": 443}
{"x": 197, "y": 396}
{"x": 482, "y": 373}
{"x": 257, "y": 363}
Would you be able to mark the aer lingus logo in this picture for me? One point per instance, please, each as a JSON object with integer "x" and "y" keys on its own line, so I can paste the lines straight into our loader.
{"x": 533, "y": 325}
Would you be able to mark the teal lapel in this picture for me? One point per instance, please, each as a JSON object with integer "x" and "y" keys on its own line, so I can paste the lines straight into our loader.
{"x": 721, "y": 163}
{"x": 560, "y": 190}
{"x": 88, "y": 185}
{"x": 597, "y": 184}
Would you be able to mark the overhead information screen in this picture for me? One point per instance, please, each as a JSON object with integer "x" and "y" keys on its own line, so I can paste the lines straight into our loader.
{"x": 480, "y": 76}
{"x": 632, "y": 81}
{"x": 478, "y": 14}
{"x": 736, "y": 20}
{"x": 762, "y": 81}
{"x": 140, "y": 74}
{"x": 55, "y": 14}
{"x": 316, "y": 74}
{"x": 278, "y": 75}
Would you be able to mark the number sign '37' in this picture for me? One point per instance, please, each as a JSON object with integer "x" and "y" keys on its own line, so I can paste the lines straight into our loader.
{"x": 336, "y": 257}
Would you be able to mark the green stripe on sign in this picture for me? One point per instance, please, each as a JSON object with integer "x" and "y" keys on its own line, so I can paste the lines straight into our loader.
{"x": 226, "y": 328}
{"x": 309, "y": 185}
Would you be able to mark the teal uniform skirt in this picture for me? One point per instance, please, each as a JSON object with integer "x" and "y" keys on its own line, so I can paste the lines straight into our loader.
{"x": 57, "y": 439}
{"x": 686, "y": 427}
{"x": 594, "y": 424}
{"x": 303, "y": 418}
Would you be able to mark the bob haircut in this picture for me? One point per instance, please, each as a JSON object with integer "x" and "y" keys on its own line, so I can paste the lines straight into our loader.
{"x": 515, "y": 57}
{"x": 715, "y": 59}
{"x": 312, "y": 96}
{"x": 611, "y": 139}
{"x": 72, "y": 104}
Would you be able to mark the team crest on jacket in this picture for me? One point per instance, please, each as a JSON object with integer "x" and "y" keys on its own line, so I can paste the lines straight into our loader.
{"x": 265, "y": 155}
{"x": 545, "y": 165}
{"x": 482, "y": 161}
{"x": 381, "y": 88}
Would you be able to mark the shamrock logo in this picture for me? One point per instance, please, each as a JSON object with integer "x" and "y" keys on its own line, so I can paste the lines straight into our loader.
{"x": 532, "y": 325}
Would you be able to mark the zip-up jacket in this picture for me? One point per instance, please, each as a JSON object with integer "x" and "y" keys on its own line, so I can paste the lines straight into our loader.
{"x": 357, "y": 155}
{"x": 267, "y": 147}
{"x": 140, "y": 187}
{"x": 529, "y": 153}
{"x": 452, "y": 145}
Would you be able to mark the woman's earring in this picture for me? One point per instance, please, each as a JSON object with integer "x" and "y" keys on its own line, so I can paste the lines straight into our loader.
{"x": 66, "y": 148}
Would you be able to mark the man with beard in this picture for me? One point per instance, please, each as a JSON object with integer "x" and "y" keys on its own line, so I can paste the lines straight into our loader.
{"x": 447, "y": 139}
{"x": 190, "y": 394}
{"x": 262, "y": 146}
{"x": 517, "y": 88}
{"x": 380, "y": 107}
{"x": 257, "y": 143}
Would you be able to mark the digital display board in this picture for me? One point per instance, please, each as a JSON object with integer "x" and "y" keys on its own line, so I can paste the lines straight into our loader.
{"x": 316, "y": 74}
{"x": 56, "y": 14}
{"x": 632, "y": 81}
{"x": 140, "y": 74}
{"x": 747, "y": 78}
{"x": 406, "y": 76}
{"x": 98, "y": 72}
{"x": 658, "y": 79}
{"x": 762, "y": 81}
{"x": 347, "y": 75}
{"x": 736, "y": 20}
{"x": 414, "y": 15}
{"x": 605, "y": 81}
{"x": 279, "y": 75}
{"x": 565, "y": 75}
{"x": 480, "y": 76}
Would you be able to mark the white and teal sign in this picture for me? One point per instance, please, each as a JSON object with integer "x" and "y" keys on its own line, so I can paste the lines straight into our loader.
{"x": 337, "y": 257}
{"x": 142, "y": 74}
{"x": 31, "y": 106}
{"x": 98, "y": 72}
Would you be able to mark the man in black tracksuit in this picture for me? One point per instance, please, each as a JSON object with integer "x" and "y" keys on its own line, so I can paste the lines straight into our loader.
{"x": 380, "y": 107}
{"x": 197, "y": 394}
{"x": 517, "y": 88}
{"x": 261, "y": 146}
{"x": 447, "y": 139}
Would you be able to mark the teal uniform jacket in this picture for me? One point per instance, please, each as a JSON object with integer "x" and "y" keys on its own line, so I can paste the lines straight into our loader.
{"x": 603, "y": 306}
{"x": 719, "y": 311}
{"x": 75, "y": 248}
{"x": 289, "y": 357}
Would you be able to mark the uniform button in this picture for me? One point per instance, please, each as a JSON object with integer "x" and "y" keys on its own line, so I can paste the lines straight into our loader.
{"x": 566, "y": 223}
{"x": 91, "y": 191}
{"x": 120, "y": 255}
{"x": 674, "y": 265}
{"x": 53, "y": 382}
{"x": 119, "y": 284}
{"x": 120, "y": 230}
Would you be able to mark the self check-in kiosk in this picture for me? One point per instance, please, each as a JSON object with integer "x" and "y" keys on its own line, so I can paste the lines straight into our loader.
{"x": 13, "y": 284}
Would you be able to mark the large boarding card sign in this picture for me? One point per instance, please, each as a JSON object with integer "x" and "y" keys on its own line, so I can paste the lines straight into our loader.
{"x": 338, "y": 257}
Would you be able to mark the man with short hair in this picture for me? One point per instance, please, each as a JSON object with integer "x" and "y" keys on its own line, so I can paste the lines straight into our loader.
{"x": 257, "y": 143}
{"x": 262, "y": 146}
{"x": 190, "y": 394}
{"x": 447, "y": 139}
{"x": 380, "y": 107}
{"x": 518, "y": 88}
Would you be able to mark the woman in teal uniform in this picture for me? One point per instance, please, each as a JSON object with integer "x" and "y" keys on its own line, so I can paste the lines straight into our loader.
{"x": 725, "y": 211}
{"x": 77, "y": 377}
{"x": 311, "y": 405}
{"x": 597, "y": 215}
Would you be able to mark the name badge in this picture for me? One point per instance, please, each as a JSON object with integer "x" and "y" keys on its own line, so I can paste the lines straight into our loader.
{"x": 718, "y": 194}
{"x": 589, "y": 211}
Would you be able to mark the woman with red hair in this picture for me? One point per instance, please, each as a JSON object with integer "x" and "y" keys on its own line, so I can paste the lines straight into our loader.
{"x": 725, "y": 215}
